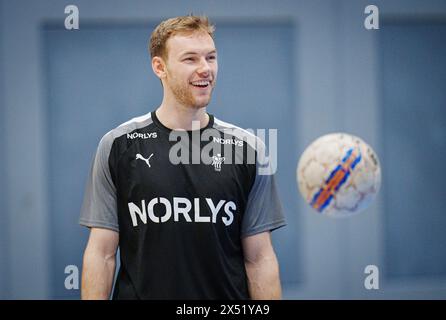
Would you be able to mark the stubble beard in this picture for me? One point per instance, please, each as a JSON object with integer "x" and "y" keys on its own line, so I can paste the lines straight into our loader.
{"x": 183, "y": 94}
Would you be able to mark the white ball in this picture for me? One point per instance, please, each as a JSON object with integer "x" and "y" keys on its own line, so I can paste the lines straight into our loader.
{"x": 339, "y": 175}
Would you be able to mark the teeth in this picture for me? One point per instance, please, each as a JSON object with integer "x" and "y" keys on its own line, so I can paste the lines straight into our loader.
{"x": 201, "y": 83}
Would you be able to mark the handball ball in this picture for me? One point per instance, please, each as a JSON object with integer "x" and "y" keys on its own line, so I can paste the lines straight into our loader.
{"x": 339, "y": 175}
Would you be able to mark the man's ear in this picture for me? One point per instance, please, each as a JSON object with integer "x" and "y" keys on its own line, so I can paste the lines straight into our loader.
{"x": 159, "y": 67}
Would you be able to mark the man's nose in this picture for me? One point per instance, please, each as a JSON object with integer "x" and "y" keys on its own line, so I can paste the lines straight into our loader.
{"x": 204, "y": 67}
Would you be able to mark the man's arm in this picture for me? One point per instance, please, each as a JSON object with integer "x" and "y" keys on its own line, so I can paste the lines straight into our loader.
{"x": 99, "y": 264}
{"x": 262, "y": 267}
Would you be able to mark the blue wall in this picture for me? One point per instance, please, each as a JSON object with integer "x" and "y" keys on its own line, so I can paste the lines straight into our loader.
{"x": 339, "y": 77}
{"x": 4, "y": 284}
{"x": 414, "y": 121}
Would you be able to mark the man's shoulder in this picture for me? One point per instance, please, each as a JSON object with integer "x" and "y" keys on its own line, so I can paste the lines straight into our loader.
{"x": 127, "y": 127}
{"x": 123, "y": 129}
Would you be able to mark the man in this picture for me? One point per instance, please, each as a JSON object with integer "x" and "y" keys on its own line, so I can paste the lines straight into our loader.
{"x": 185, "y": 230}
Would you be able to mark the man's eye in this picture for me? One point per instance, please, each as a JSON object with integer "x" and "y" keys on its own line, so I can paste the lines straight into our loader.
{"x": 212, "y": 57}
{"x": 189, "y": 59}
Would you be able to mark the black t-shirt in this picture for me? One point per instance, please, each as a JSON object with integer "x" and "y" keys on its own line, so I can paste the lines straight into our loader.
{"x": 181, "y": 202}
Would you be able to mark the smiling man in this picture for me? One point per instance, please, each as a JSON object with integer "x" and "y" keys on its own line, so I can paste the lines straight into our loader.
{"x": 185, "y": 231}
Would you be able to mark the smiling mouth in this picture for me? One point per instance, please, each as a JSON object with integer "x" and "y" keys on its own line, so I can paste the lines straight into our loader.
{"x": 201, "y": 83}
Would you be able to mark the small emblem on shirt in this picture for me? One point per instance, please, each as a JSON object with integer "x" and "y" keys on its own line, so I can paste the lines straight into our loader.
{"x": 238, "y": 143}
{"x": 136, "y": 135}
{"x": 140, "y": 157}
{"x": 217, "y": 161}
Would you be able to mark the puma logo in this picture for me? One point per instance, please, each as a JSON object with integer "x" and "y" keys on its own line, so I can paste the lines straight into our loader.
{"x": 140, "y": 157}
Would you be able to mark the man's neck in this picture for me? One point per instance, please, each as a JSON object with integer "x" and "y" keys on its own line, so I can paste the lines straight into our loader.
{"x": 181, "y": 117}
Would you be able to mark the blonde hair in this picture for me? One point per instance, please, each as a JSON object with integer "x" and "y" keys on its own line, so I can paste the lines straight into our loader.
{"x": 173, "y": 26}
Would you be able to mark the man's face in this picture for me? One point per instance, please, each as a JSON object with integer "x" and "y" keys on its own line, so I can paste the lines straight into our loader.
{"x": 191, "y": 68}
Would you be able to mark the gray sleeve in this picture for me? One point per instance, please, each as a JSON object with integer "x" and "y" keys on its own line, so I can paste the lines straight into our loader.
{"x": 263, "y": 210}
{"x": 99, "y": 208}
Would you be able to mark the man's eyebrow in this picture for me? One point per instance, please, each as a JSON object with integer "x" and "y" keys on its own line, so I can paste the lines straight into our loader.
{"x": 194, "y": 52}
